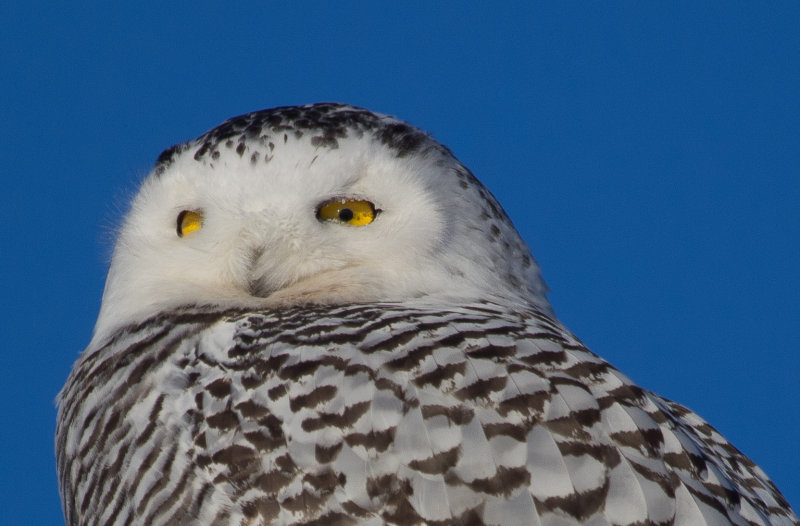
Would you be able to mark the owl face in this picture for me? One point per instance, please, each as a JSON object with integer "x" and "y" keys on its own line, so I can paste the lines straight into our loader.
{"x": 315, "y": 204}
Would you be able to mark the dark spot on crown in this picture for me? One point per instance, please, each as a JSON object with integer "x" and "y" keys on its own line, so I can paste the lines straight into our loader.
{"x": 253, "y": 131}
{"x": 401, "y": 137}
{"x": 201, "y": 151}
{"x": 323, "y": 141}
{"x": 327, "y": 124}
{"x": 168, "y": 156}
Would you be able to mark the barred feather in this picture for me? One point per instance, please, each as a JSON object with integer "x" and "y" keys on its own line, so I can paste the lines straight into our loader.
{"x": 384, "y": 414}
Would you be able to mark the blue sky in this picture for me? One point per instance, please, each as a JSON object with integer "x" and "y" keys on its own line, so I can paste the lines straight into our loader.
{"x": 648, "y": 152}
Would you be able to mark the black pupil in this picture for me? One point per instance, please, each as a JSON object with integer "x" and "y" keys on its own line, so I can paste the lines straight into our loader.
{"x": 345, "y": 214}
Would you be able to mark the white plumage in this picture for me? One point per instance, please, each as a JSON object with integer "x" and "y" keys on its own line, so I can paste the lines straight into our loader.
{"x": 317, "y": 315}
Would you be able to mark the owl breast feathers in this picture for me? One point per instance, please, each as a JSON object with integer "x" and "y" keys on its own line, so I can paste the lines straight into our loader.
{"x": 317, "y": 315}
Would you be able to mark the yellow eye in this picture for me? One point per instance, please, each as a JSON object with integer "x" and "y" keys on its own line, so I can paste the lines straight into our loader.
{"x": 349, "y": 211}
{"x": 189, "y": 221}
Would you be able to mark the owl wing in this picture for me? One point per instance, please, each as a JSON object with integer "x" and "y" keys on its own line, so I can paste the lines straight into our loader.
{"x": 386, "y": 414}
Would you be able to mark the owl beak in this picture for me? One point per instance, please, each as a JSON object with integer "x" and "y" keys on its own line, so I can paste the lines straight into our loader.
{"x": 256, "y": 285}
{"x": 258, "y": 289}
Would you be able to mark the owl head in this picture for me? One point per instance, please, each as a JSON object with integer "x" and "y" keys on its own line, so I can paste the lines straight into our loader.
{"x": 324, "y": 203}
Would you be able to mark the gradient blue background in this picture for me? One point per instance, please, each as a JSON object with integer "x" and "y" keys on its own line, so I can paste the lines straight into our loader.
{"x": 648, "y": 152}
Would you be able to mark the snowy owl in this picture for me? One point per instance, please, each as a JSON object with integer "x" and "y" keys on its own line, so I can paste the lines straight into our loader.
{"x": 317, "y": 315}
